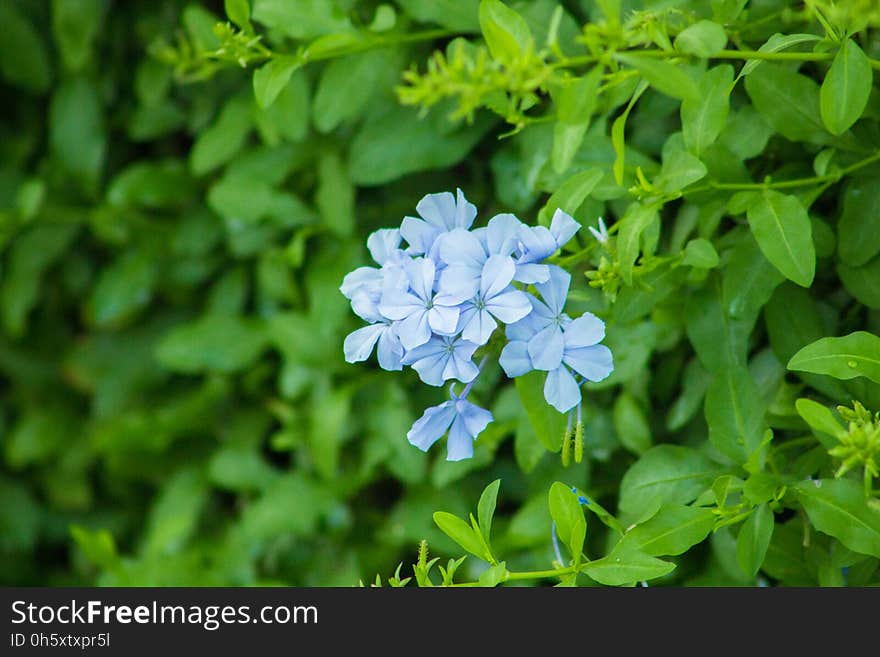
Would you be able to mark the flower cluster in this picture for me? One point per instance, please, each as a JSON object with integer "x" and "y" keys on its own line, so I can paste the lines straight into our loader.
{"x": 435, "y": 303}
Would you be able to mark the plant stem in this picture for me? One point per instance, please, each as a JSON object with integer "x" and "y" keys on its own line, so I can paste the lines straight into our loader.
{"x": 540, "y": 574}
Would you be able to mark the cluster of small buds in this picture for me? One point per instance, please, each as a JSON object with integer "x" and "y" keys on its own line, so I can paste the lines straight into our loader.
{"x": 433, "y": 304}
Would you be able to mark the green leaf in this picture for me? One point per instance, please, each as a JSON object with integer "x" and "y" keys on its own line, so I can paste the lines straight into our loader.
{"x": 271, "y": 78}
{"x": 626, "y": 565}
{"x": 76, "y": 130}
{"x": 748, "y": 281}
{"x": 219, "y": 143}
{"x": 97, "y": 544}
{"x": 735, "y": 412}
{"x": 75, "y": 24}
{"x": 218, "y": 343}
{"x": 703, "y": 39}
{"x": 754, "y": 539}
{"x": 838, "y": 507}
{"x": 24, "y": 59}
{"x": 150, "y": 184}
{"x": 398, "y": 142}
{"x": 783, "y": 230}
{"x": 776, "y": 43}
{"x": 674, "y": 530}
{"x": 569, "y": 196}
{"x": 856, "y": 354}
{"x": 703, "y": 118}
{"x": 635, "y": 221}
{"x": 335, "y": 196}
{"x": 461, "y": 532}
{"x": 631, "y": 425}
{"x": 123, "y": 289}
{"x": 858, "y": 239}
{"x": 566, "y": 511}
{"x": 846, "y": 88}
{"x": 506, "y": 32}
{"x": 618, "y": 134}
{"x": 819, "y": 417}
{"x": 486, "y": 509}
{"x": 548, "y": 423}
{"x": 575, "y": 104}
{"x": 347, "y": 85}
{"x": 788, "y": 102}
{"x": 239, "y": 12}
{"x": 665, "y": 77}
{"x": 665, "y": 474}
{"x": 302, "y": 19}
{"x": 862, "y": 282}
{"x": 700, "y": 253}
{"x": 494, "y": 575}
{"x": 455, "y": 15}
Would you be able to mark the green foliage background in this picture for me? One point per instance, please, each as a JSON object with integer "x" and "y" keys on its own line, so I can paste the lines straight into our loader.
{"x": 179, "y": 204}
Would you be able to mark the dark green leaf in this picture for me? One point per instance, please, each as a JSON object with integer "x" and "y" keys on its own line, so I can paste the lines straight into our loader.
{"x": 846, "y": 88}
{"x": 782, "y": 229}
{"x": 838, "y": 507}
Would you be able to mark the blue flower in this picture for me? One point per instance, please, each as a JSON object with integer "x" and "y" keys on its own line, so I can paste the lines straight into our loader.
{"x": 536, "y": 243}
{"x": 549, "y": 340}
{"x": 359, "y": 345}
{"x": 443, "y": 358}
{"x": 364, "y": 286}
{"x": 463, "y": 420}
{"x": 495, "y": 298}
{"x": 418, "y": 310}
{"x": 440, "y": 213}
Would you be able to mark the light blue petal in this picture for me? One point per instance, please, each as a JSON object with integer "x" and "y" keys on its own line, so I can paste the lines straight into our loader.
{"x": 584, "y": 331}
{"x": 459, "y": 281}
{"x": 443, "y": 319}
{"x": 431, "y": 368}
{"x": 526, "y": 328}
{"x": 360, "y": 278}
{"x": 462, "y": 348}
{"x": 515, "y": 359}
{"x": 421, "y": 277}
{"x": 460, "y": 444}
{"x": 366, "y": 306}
{"x": 438, "y": 210}
{"x": 593, "y": 363}
{"x": 530, "y": 273}
{"x": 429, "y": 428}
{"x": 433, "y": 347}
{"x": 414, "y": 330}
{"x": 462, "y": 248}
{"x": 502, "y": 234}
{"x": 510, "y": 306}
{"x": 465, "y": 212}
{"x": 383, "y": 243}
{"x": 396, "y": 304}
{"x": 563, "y": 227}
{"x": 546, "y": 348}
{"x": 561, "y": 390}
{"x": 419, "y": 234}
{"x": 359, "y": 344}
{"x": 389, "y": 350}
{"x": 480, "y": 327}
{"x": 535, "y": 244}
{"x": 460, "y": 369}
{"x": 555, "y": 290}
{"x": 496, "y": 276}
{"x": 475, "y": 418}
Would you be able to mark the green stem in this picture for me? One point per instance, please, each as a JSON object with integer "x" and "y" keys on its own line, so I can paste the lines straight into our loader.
{"x": 788, "y": 184}
{"x": 723, "y": 54}
{"x": 540, "y": 574}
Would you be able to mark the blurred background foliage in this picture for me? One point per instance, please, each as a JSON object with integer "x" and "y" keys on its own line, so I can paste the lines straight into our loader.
{"x": 175, "y": 409}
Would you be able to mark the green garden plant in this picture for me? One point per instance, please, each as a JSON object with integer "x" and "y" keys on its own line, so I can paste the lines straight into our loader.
{"x": 184, "y": 188}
